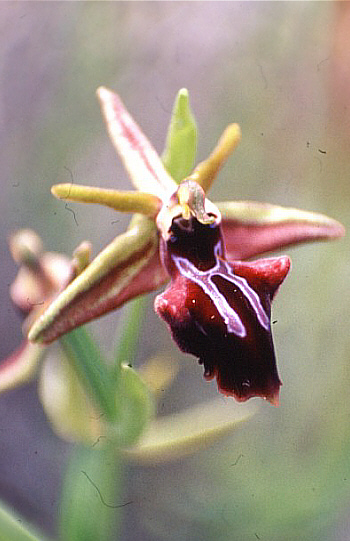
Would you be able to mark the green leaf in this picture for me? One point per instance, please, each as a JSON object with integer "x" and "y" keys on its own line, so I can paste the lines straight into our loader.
{"x": 13, "y": 528}
{"x": 91, "y": 500}
{"x": 181, "y": 143}
{"x": 87, "y": 360}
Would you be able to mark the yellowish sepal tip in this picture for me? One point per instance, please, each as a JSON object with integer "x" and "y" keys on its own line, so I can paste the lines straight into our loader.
{"x": 230, "y": 139}
{"x": 182, "y": 99}
{"x": 61, "y": 191}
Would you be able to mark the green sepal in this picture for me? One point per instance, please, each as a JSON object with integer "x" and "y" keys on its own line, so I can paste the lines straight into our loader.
{"x": 181, "y": 142}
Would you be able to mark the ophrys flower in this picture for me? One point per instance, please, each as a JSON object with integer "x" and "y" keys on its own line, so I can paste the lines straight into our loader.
{"x": 217, "y": 306}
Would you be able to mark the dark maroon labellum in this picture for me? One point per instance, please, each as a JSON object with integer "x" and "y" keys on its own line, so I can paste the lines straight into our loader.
{"x": 220, "y": 311}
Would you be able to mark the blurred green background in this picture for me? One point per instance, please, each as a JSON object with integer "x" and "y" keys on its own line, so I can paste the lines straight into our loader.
{"x": 282, "y": 70}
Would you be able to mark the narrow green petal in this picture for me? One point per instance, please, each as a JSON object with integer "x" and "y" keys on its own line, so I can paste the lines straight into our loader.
{"x": 21, "y": 366}
{"x": 142, "y": 162}
{"x": 123, "y": 201}
{"x": 181, "y": 143}
{"x": 180, "y": 434}
{"x": 251, "y": 228}
{"x": 206, "y": 171}
{"x": 113, "y": 277}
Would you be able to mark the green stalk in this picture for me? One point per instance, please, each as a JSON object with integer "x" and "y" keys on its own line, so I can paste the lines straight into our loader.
{"x": 128, "y": 332}
{"x": 87, "y": 360}
{"x": 90, "y": 500}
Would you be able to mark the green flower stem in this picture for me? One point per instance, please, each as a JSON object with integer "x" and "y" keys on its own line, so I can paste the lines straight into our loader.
{"x": 90, "y": 500}
{"x": 128, "y": 331}
{"x": 87, "y": 360}
{"x": 13, "y": 528}
{"x": 134, "y": 402}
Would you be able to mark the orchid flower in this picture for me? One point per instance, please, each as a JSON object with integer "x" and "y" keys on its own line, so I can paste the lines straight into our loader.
{"x": 218, "y": 307}
{"x": 41, "y": 275}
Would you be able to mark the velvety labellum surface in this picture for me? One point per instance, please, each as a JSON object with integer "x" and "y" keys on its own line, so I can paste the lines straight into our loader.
{"x": 220, "y": 311}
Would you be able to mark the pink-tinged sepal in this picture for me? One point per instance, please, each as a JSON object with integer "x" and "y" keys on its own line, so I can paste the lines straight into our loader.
{"x": 220, "y": 311}
{"x": 143, "y": 164}
{"x": 251, "y": 228}
{"x": 21, "y": 366}
{"x": 126, "y": 268}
